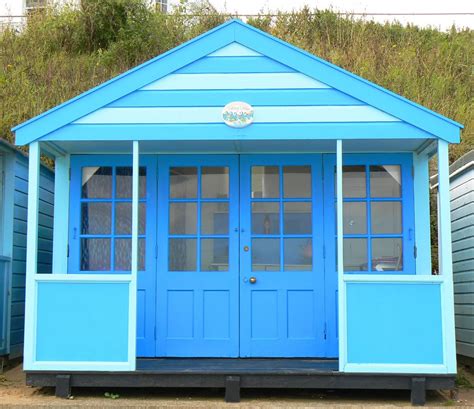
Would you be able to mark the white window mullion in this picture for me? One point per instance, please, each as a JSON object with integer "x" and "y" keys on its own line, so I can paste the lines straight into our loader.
{"x": 134, "y": 262}
{"x": 340, "y": 259}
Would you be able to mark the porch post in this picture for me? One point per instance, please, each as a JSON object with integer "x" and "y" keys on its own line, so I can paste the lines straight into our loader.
{"x": 31, "y": 251}
{"x": 132, "y": 342}
{"x": 61, "y": 213}
{"x": 445, "y": 256}
{"x": 340, "y": 259}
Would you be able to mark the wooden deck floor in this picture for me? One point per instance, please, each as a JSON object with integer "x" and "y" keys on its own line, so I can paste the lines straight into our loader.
{"x": 238, "y": 366}
{"x": 235, "y": 374}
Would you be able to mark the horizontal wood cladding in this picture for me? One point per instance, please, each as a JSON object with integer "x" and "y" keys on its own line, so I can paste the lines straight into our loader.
{"x": 235, "y": 49}
{"x": 234, "y": 65}
{"x": 199, "y": 115}
{"x": 462, "y": 225}
{"x": 235, "y": 81}
{"x": 219, "y": 98}
{"x": 222, "y": 132}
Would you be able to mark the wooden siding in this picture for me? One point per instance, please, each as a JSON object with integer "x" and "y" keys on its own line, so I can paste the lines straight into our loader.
{"x": 196, "y": 94}
{"x": 198, "y": 115}
{"x": 235, "y": 50}
{"x": 45, "y": 236}
{"x": 462, "y": 215}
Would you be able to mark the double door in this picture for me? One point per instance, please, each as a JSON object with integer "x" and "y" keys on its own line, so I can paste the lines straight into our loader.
{"x": 240, "y": 263}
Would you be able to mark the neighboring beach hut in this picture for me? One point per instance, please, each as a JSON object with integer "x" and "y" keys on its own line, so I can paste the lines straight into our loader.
{"x": 199, "y": 207}
{"x": 462, "y": 223}
{"x": 462, "y": 216}
{"x": 13, "y": 220}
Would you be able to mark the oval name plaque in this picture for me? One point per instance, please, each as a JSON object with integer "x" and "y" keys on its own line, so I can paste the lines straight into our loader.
{"x": 237, "y": 114}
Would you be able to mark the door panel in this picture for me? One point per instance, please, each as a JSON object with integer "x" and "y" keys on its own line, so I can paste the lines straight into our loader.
{"x": 282, "y": 313}
{"x": 197, "y": 279}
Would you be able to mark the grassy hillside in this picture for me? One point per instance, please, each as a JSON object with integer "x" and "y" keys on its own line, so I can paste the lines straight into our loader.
{"x": 64, "y": 52}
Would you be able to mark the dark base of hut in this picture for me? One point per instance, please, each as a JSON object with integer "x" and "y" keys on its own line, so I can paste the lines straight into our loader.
{"x": 235, "y": 374}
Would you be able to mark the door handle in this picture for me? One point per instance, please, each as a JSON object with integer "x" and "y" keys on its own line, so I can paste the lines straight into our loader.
{"x": 252, "y": 280}
{"x": 246, "y": 248}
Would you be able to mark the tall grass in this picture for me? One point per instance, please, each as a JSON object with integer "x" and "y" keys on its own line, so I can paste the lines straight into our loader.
{"x": 62, "y": 52}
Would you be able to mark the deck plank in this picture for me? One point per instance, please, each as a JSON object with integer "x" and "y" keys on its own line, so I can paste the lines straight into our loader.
{"x": 237, "y": 366}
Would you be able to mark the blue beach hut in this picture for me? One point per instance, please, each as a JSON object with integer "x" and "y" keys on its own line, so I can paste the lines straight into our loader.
{"x": 239, "y": 213}
{"x": 13, "y": 224}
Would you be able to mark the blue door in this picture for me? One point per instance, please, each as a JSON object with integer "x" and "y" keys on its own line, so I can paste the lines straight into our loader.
{"x": 240, "y": 257}
{"x": 198, "y": 264}
{"x": 282, "y": 308}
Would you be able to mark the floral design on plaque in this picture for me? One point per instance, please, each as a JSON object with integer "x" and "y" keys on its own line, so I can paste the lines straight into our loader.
{"x": 238, "y": 114}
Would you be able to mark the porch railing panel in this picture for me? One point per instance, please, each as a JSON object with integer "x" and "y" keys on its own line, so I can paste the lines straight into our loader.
{"x": 394, "y": 324}
{"x": 81, "y": 323}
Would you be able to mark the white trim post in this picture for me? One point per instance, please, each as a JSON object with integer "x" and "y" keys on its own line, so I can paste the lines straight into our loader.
{"x": 132, "y": 341}
{"x": 31, "y": 253}
{"x": 445, "y": 256}
{"x": 61, "y": 214}
{"x": 340, "y": 260}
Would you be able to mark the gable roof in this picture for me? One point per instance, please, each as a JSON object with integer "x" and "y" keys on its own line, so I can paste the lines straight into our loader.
{"x": 234, "y": 34}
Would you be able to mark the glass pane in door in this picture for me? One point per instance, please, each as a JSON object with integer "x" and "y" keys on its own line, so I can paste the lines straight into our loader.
{"x": 215, "y": 182}
{"x": 182, "y": 255}
{"x": 296, "y": 181}
{"x": 265, "y": 182}
{"x": 266, "y": 254}
{"x": 265, "y": 218}
{"x": 183, "y": 182}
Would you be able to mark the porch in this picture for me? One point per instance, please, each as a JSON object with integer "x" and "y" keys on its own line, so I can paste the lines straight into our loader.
{"x": 415, "y": 309}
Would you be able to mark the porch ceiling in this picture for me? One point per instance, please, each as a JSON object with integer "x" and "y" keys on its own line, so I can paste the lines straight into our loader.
{"x": 232, "y": 146}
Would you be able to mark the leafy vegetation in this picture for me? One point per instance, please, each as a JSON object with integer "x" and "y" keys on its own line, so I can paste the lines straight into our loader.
{"x": 63, "y": 52}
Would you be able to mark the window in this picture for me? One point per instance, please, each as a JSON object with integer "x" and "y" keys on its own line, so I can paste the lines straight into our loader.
{"x": 35, "y": 4}
{"x": 162, "y": 5}
{"x": 376, "y": 217}
{"x": 198, "y": 228}
{"x": 281, "y": 214}
{"x": 105, "y": 213}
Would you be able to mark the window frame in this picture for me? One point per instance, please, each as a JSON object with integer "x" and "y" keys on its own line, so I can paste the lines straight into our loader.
{"x": 75, "y": 202}
{"x": 199, "y": 200}
{"x": 407, "y": 235}
{"x": 281, "y": 200}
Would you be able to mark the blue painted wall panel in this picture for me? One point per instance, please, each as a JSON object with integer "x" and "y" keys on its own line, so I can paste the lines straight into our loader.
{"x": 390, "y": 323}
{"x": 82, "y": 322}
